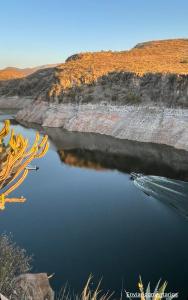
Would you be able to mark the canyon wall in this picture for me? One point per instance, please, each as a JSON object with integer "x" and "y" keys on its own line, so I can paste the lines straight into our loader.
{"x": 151, "y": 108}
{"x": 140, "y": 94}
{"x": 141, "y": 123}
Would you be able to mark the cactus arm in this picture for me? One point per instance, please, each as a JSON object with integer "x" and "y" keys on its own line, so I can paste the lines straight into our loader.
{"x": 14, "y": 158}
{"x": 16, "y": 185}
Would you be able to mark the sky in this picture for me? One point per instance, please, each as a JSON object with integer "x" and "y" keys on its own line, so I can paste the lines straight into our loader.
{"x": 37, "y": 32}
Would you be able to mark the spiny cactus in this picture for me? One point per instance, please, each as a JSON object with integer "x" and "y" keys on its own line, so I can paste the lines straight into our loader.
{"x": 14, "y": 159}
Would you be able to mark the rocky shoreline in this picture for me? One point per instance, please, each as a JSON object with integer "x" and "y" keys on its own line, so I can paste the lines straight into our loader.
{"x": 149, "y": 124}
{"x": 33, "y": 287}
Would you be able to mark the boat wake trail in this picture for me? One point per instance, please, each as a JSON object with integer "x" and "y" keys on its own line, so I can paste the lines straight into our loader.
{"x": 173, "y": 193}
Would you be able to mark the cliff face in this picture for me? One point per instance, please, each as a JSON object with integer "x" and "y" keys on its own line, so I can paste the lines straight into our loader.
{"x": 141, "y": 123}
{"x": 141, "y": 94}
{"x": 125, "y": 88}
{"x": 114, "y": 89}
{"x": 83, "y": 70}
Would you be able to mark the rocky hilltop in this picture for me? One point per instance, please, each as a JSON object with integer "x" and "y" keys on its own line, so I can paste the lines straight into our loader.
{"x": 140, "y": 94}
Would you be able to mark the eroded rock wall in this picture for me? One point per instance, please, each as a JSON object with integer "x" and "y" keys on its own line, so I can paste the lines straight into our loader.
{"x": 139, "y": 123}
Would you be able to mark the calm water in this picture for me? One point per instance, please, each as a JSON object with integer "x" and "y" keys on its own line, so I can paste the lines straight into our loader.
{"x": 84, "y": 215}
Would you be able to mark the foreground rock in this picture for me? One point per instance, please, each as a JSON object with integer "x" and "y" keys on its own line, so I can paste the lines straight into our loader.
{"x": 34, "y": 287}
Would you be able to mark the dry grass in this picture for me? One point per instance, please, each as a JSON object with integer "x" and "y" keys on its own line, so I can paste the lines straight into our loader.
{"x": 87, "y": 293}
{"x": 168, "y": 56}
{"x": 14, "y": 261}
{"x": 98, "y": 294}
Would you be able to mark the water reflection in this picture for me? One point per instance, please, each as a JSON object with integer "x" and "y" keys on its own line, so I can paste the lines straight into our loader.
{"x": 92, "y": 219}
{"x": 105, "y": 152}
{"x": 164, "y": 169}
{"x": 79, "y": 159}
{"x": 155, "y": 162}
{"x": 172, "y": 192}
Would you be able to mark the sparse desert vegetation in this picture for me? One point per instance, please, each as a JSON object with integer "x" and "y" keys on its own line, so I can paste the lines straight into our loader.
{"x": 14, "y": 262}
{"x": 150, "y": 57}
{"x": 104, "y": 68}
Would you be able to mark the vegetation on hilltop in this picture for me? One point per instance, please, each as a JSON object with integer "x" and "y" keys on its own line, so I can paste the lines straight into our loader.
{"x": 168, "y": 56}
{"x": 85, "y": 69}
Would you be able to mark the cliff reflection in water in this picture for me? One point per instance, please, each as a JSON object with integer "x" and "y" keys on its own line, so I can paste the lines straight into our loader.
{"x": 165, "y": 169}
{"x": 156, "y": 162}
{"x": 104, "y": 152}
{"x": 173, "y": 193}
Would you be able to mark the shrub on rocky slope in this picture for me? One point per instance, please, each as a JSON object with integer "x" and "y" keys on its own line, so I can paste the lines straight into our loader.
{"x": 87, "y": 69}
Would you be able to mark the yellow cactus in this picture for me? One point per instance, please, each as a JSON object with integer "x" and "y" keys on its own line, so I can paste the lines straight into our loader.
{"x": 14, "y": 158}
{"x": 5, "y": 129}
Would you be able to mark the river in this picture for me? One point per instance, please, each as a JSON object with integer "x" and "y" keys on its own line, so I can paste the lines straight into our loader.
{"x": 85, "y": 215}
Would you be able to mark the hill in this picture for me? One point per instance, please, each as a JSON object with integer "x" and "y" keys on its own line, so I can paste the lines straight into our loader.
{"x": 140, "y": 94}
{"x": 166, "y": 56}
{"x": 66, "y": 81}
{"x": 13, "y": 73}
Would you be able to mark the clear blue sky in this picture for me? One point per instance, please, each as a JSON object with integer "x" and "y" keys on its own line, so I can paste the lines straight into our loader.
{"x": 36, "y": 32}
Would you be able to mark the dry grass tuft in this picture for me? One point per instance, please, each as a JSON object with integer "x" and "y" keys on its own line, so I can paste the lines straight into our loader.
{"x": 87, "y": 293}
